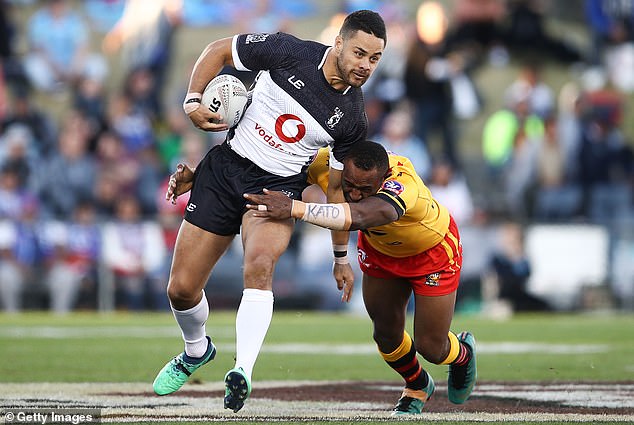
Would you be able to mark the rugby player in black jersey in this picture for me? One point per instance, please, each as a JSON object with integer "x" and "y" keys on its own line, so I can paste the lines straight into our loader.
{"x": 306, "y": 96}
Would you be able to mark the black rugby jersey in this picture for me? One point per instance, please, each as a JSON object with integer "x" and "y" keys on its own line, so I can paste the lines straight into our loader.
{"x": 294, "y": 110}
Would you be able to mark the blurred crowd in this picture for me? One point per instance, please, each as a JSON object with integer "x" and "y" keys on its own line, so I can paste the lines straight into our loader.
{"x": 82, "y": 190}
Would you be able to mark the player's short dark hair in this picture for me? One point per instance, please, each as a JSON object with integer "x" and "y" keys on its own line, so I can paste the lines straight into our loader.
{"x": 366, "y": 21}
{"x": 368, "y": 155}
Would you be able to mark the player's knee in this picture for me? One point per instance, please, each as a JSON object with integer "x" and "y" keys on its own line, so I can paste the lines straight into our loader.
{"x": 387, "y": 340}
{"x": 258, "y": 272}
{"x": 432, "y": 349}
{"x": 180, "y": 293}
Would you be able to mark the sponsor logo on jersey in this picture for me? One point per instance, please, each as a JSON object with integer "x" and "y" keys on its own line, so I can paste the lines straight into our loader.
{"x": 191, "y": 207}
{"x": 432, "y": 279}
{"x": 334, "y": 120}
{"x": 290, "y": 128}
{"x": 393, "y": 186}
{"x": 255, "y": 38}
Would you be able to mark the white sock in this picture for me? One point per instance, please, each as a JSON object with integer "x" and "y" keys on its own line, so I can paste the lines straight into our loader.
{"x": 192, "y": 323}
{"x": 252, "y": 322}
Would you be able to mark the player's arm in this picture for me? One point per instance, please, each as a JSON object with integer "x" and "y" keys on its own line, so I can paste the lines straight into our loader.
{"x": 342, "y": 271}
{"x": 370, "y": 212}
{"x": 335, "y": 195}
{"x": 213, "y": 58}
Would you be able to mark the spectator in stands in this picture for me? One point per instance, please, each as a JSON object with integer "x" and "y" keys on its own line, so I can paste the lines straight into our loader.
{"x": 132, "y": 250}
{"x": 132, "y": 125}
{"x": 541, "y": 98}
{"x": 511, "y": 269}
{"x": 24, "y": 111}
{"x": 19, "y": 250}
{"x": 450, "y": 188}
{"x": 505, "y": 126}
{"x": 397, "y": 136}
{"x": 169, "y": 140}
{"x": 15, "y": 197}
{"x": 71, "y": 250}
{"x": 17, "y": 147}
{"x": 478, "y": 23}
{"x": 510, "y": 140}
{"x": 59, "y": 50}
{"x": 11, "y": 275}
{"x": 90, "y": 99}
{"x": 71, "y": 166}
{"x": 611, "y": 23}
{"x": 145, "y": 34}
{"x": 116, "y": 172}
{"x": 526, "y": 34}
{"x": 103, "y": 14}
{"x": 606, "y": 161}
{"x": 431, "y": 66}
{"x": 558, "y": 194}
{"x": 11, "y": 70}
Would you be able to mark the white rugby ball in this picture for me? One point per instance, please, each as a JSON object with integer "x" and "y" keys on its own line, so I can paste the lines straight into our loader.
{"x": 227, "y": 96}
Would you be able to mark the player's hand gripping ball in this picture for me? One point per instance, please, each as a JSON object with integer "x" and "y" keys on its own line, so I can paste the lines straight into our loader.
{"x": 227, "y": 96}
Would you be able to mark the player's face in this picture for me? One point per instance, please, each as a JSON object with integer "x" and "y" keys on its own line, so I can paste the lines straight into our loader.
{"x": 358, "y": 57}
{"x": 358, "y": 184}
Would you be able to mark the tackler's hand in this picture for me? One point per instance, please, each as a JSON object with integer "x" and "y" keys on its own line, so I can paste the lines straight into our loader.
{"x": 271, "y": 204}
{"x": 180, "y": 182}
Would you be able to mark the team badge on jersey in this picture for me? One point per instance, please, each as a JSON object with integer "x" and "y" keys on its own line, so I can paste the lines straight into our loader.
{"x": 393, "y": 186}
{"x": 334, "y": 120}
{"x": 432, "y": 279}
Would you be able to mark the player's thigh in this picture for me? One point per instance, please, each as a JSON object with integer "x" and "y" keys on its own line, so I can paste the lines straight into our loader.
{"x": 196, "y": 253}
{"x": 264, "y": 241}
{"x": 432, "y": 318}
{"x": 386, "y": 303}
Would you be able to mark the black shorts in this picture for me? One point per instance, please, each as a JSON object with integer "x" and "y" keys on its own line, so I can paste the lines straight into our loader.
{"x": 216, "y": 203}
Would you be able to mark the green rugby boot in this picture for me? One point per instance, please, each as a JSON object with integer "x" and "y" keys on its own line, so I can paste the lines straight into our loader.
{"x": 463, "y": 378}
{"x": 237, "y": 389}
{"x": 413, "y": 401}
{"x": 176, "y": 372}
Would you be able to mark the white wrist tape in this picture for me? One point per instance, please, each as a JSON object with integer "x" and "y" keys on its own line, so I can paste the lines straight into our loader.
{"x": 330, "y": 216}
{"x": 192, "y": 102}
{"x": 342, "y": 260}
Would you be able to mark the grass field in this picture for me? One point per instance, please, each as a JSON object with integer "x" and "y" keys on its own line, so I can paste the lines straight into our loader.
{"x": 84, "y": 348}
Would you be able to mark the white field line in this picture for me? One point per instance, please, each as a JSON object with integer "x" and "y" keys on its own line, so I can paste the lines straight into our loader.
{"x": 103, "y": 332}
{"x": 133, "y": 402}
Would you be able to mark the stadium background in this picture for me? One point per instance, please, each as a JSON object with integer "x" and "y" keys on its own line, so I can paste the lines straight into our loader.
{"x": 594, "y": 270}
{"x": 321, "y": 366}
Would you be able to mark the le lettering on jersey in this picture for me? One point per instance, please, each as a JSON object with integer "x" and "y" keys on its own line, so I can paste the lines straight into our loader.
{"x": 294, "y": 111}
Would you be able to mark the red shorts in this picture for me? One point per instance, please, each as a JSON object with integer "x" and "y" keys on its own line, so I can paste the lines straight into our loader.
{"x": 432, "y": 273}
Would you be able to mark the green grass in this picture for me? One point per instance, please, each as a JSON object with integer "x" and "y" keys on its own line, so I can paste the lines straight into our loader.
{"x": 91, "y": 347}
{"x": 133, "y": 347}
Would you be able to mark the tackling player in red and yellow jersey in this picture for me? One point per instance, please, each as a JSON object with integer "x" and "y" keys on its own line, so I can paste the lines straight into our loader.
{"x": 407, "y": 243}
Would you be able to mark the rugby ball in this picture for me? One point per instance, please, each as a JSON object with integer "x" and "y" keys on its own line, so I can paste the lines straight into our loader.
{"x": 227, "y": 96}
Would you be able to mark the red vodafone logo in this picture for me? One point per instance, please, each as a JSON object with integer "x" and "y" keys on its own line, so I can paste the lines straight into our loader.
{"x": 289, "y": 123}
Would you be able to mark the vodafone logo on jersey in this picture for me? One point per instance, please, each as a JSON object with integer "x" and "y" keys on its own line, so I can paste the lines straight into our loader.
{"x": 290, "y": 128}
